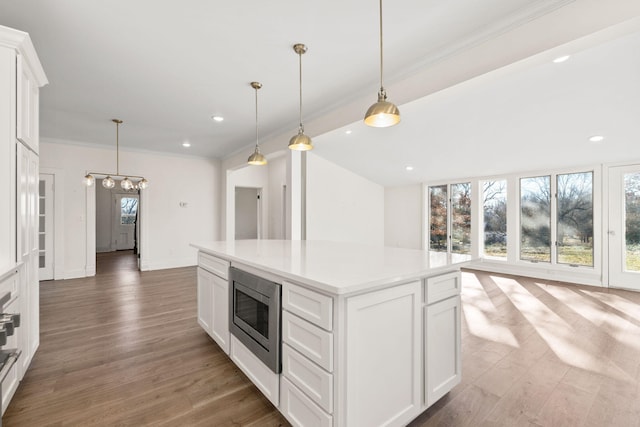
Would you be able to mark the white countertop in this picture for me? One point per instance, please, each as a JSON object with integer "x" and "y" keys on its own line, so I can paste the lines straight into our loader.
{"x": 333, "y": 267}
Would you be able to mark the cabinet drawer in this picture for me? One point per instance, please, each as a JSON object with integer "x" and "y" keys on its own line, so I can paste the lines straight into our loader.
{"x": 299, "y": 409}
{"x": 316, "y": 383}
{"x": 442, "y": 287}
{"x": 313, "y": 342}
{"x": 310, "y": 305}
{"x": 215, "y": 265}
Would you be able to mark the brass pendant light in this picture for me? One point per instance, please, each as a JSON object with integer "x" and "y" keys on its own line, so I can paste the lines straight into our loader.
{"x": 109, "y": 183}
{"x": 256, "y": 158}
{"x": 300, "y": 142}
{"x": 383, "y": 113}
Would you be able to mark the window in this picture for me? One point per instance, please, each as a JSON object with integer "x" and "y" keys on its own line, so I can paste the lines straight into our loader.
{"x": 461, "y": 218}
{"x": 438, "y": 218}
{"x": 575, "y": 219}
{"x": 494, "y": 196}
{"x": 128, "y": 210}
{"x": 449, "y": 223}
{"x": 572, "y": 207}
{"x": 632, "y": 221}
{"x": 535, "y": 219}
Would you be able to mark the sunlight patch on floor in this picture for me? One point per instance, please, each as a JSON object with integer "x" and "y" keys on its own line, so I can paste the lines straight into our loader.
{"x": 478, "y": 311}
{"x": 559, "y": 335}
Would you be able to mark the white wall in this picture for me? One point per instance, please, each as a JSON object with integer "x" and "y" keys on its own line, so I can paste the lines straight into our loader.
{"x": 403, "y": 216}
{"x": 276, "y": 203}
{"x": 104, "y": 218}
{"x": 342, "y": 206}
{"x": 169, "y": 227}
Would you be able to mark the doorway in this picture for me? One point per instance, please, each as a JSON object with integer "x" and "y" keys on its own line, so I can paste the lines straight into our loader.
{"x": 116, "y": 227}
{"x": 624, "y": 227}
{"x": 248, "y": 213}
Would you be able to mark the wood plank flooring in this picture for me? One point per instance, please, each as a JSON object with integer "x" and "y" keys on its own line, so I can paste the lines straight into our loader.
{"x": 123, "y": 348}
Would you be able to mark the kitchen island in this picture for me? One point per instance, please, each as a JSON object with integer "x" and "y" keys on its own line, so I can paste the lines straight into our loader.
{"x": 369, "y": 335}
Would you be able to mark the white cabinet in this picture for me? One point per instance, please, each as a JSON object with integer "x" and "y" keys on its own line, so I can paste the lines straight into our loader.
{"x": 307, "y": 384}
{"x": 205, "y": 299}
{"x": 27, "y": 106}
{"x": 220, "y": 325}
{"x": 383, "y": 358}
{"x": 28, "y": 254}
{"x": 21, "y": 76}
{"x": 213, "y": 299}
{"x": 442, "y": 341}
{"x": 7, "y": 161}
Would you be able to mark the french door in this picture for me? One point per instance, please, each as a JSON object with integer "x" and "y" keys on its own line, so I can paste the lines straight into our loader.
{"x": 624, "y": 227}
{"x": 45, "y": 226}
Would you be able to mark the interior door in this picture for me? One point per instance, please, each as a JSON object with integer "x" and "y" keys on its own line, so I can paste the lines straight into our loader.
{"x": 247, "y": 213}
{"x": 624, "y": 227}
{"x": 124, "y": 221}
{"x": 45, "y": 227}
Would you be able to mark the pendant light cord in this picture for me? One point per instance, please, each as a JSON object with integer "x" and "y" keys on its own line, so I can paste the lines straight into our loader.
{"x": 117, "y": 148}
{"x": 381, "y": 58}
{"x": 256, "y": 117}
{"x": 300, "y": 75}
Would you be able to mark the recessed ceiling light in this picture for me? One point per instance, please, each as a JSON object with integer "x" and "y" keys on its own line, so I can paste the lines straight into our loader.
{"x": 217, "y": 118}
{"x": 186, "y": 144}
{"x": 596, "y": 138}
{"x": 348, "y": 132}
{"x": 560, "y": 59}
{"x": 409, "y": 168}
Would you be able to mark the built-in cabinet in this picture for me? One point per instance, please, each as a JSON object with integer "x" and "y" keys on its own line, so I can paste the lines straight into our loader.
{"x": 371, "y": 358}
{"x": 442, "y": 340}
{"x": 28, "y": 253}
{"x": 21, "y": 76}
{"x": 213, "y": 299}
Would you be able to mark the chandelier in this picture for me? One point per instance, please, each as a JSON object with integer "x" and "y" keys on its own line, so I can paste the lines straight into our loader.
{"x": 126, "y": 184}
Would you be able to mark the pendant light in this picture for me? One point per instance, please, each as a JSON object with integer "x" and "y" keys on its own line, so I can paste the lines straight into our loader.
{"x": 383, "y": 113}
{"x": 300, "y": 142}
{"x": 109, "y": 183}
{"x": 257, "y": 158}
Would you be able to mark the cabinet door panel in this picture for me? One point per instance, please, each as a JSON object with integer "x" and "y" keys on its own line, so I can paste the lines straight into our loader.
{"x": 27, "y": 106}
{"x": 205, "y": 299}
{"x": 443, "y": 348}
{"x": 383, "y": 351}
{"x": 220, "y": 326}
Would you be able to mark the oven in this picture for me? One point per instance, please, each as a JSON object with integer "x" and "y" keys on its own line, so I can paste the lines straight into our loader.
{"x": 254, "y": 315}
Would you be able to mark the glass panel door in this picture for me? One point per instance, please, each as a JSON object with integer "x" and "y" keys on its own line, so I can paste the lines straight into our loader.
{"x": 624, "y": 227}
{"x": 45, "y": 227}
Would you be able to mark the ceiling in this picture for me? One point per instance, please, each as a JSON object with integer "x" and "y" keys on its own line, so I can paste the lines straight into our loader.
{"x": 165, "y": 67}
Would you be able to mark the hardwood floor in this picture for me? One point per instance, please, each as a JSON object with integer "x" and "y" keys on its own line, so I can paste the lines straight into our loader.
{"x": 124, "y": 348}
{"x": 542, "y": 353}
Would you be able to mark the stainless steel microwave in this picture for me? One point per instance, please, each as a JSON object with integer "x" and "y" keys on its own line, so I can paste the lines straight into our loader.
{"x": 254, "y": 315}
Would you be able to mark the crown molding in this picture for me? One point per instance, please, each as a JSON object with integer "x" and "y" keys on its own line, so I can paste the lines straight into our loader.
{"x": 21, "y": 43}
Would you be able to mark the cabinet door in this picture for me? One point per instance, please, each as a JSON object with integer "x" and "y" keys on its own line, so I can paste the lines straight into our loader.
{"x": 383, "y": 357}
{"x": 205, "y": 299}
{"x": 443, "y": 344}
{"x": 27, "y": 106}
{"x": 220, "y": 326}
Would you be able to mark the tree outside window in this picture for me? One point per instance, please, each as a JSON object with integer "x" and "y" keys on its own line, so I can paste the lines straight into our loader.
{"x": 128, "y": 210}
{"x": 495, "y": 218}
